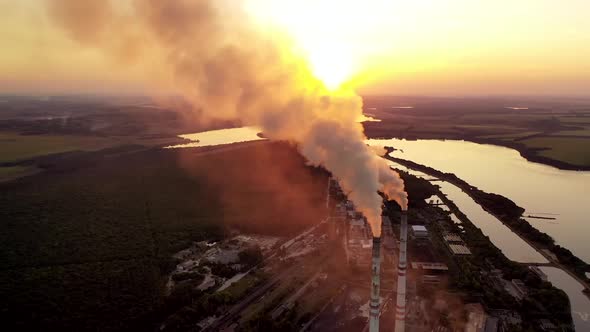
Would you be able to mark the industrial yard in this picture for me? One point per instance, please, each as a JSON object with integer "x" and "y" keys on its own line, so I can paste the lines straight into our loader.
{"x": 335, "y": 276}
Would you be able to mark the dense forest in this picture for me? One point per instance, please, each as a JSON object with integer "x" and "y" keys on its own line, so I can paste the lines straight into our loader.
{"x": 88, "y": 243}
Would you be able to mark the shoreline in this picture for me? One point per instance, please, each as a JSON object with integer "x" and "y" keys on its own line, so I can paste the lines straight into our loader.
{"x": 486, "y": 250}
{"x": 527, "y": 153}
{"x": 531, "y": 154}
{"x": 470, "y": 190}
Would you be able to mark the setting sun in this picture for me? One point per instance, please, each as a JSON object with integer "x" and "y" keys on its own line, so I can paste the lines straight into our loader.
{"x": 333, "y": 66}
{"x": 329, "y": 42}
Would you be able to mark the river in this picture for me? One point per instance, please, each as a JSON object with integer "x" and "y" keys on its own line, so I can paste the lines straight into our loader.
{"x": 516, "y": 249}
{"x": 542, "y": 190}
{"x": 511, "y": 245}
{"x": 580, "y": 303}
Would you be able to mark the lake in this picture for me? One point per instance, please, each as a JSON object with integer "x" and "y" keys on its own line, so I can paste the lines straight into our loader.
{"x": 220, "y": 137}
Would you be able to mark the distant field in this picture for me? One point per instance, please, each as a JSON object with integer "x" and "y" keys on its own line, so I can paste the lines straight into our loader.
{"x": 16, "y": 147}
{"x": 581, "y": 132}
{"x": 7, "y": 173}
{"x": 489, "y": 121}
{"x": 577, "y": 120}
{"x": 511, "y": 137}
{"x": 575, "y": 151}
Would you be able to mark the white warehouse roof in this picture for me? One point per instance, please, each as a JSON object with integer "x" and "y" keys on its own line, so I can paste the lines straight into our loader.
{"x": 418, "y": 228}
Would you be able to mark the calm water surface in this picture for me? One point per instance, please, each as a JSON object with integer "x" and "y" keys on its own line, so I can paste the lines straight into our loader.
{"x": 580, "y": 303}
{"x": 220, "y": 137}
{"x": 512, "y": 245}
{"x": 542, "y": 190}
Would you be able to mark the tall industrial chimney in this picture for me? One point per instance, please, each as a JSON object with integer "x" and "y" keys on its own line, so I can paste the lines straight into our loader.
{"x": 400, "y": 308}
{"x": 374, "y": 304}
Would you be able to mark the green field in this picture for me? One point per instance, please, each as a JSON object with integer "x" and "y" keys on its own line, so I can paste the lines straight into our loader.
{"x": 576, "y": 120}
{"x": 575, "y": 151}
{"x": 13, "y": 172}
{"x": 511, "y": 137}
{"x": 16, "y": 147}
{"x": 580, "y": 132}
{"x": 488, "y": 121}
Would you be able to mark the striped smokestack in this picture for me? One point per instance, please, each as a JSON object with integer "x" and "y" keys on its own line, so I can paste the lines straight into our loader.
{"x": 374, "y": 304}
{"x": 400, "y": 308}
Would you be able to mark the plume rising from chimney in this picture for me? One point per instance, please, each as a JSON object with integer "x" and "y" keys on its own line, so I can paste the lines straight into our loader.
{"x": 210, "y": 53}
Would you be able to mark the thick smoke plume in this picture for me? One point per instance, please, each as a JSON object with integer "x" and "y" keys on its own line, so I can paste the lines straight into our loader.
{"x": 227, "y": 67}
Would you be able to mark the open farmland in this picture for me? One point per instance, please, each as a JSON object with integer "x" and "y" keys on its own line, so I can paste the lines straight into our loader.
{"x": 14, "y": 172}
{"x": 34, "y": 127}
{"x": 555, "y": 132}
{"x": 16, "y": 147}
{"x": 572, "y": 150}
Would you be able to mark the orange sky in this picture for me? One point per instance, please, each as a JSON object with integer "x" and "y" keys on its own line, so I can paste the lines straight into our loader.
{"x": 419, "y": 47}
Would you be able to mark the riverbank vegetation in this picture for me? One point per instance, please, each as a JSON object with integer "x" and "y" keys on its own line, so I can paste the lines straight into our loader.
{"x": 474, "y": 275}
{"x": 511, "y": 215}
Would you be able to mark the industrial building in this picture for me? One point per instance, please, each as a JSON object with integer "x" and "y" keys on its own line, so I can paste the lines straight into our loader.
{"x": 430, "y": 272}
{"x": 419, "y": 232}
{"x": 459, "y": 249}
{"x": 452, "y": 237}
{"x": 389, "y": 239}
{"x": 358, "y": 243}
{"x": 538, "y": 272}
{"x": 455, "y": 244}
{"x": 389, "y": 244}
{"x": 516, "y": 288}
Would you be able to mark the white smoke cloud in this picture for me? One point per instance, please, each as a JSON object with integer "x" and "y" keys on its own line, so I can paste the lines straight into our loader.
{"x": 226, "y": 68}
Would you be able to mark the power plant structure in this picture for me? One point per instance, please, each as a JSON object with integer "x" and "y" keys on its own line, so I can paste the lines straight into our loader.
{"x": 374, "y": 308}
{"x": 400, "y": 308}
